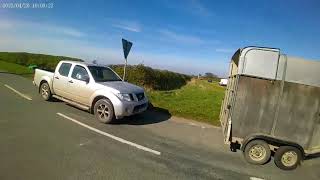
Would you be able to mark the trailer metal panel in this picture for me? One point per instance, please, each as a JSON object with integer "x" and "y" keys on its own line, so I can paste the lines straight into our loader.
{"x": 303, "y": 72}
{"x": 298, "y": 114}
{"x": 255, "y": 106}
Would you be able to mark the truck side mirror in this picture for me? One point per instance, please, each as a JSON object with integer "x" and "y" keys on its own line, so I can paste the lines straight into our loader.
{"x": 86, "y": 79}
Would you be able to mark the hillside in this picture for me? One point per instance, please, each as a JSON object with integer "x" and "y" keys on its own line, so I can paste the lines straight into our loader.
{"x": 14, "y": 68}
{"x": 41, "y": 60}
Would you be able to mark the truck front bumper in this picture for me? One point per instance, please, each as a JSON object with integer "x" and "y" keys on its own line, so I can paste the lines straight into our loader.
{"x": 128, "y": 108}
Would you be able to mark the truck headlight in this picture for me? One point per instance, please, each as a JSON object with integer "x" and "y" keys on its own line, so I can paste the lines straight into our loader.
{"x": 125, "y": 97}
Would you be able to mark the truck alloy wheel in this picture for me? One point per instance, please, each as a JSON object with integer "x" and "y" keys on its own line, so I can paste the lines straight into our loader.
{"x": 257, "y": 152}
{"x": 45, "y": 91}
{"x": 287, "y": 157}
{"x": 103, "y": 110}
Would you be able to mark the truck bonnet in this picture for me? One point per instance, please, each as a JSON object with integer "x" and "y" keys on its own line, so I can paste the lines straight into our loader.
{"x": 123, "y": 87}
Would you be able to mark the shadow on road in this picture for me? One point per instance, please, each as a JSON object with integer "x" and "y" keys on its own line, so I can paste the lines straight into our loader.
{"x": 151, "y": 116}
{"x": 312, "y": 156}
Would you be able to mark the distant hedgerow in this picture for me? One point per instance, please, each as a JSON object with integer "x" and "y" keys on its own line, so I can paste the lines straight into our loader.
{"x": 152, "y": 78}
{"x": 43, "y": 61}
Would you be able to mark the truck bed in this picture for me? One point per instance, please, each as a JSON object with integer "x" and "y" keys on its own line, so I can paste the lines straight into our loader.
{"x": 39, "y": 73}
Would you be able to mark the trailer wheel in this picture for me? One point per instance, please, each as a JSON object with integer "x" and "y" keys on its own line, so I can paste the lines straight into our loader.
{"x": 257, "y": 152}
{"x": 287, "y": 157}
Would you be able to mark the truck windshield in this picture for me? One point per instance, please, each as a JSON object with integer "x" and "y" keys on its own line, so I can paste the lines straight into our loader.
{"x": 103, "y": 74}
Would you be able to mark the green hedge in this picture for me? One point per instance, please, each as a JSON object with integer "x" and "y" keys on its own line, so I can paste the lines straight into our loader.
{"x": 152, "y": 78}
{"x": 41, "y": 60}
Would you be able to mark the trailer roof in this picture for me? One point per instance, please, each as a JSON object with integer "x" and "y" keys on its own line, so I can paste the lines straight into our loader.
{"x": 264, "y": 62}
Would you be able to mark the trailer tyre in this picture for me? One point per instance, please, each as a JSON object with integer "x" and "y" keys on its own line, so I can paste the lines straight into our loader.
{"x": 287, "y": 157}
{"x": 104, "y": 112}
{"x": 257, "y": 152}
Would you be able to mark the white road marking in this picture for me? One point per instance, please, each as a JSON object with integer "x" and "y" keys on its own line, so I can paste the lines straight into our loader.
{"x": 255, "y": 178}
{"x": 111, "y": 136}
{"x": 19, "y": 93}
{"x": 193, "y": 124}
{"x": 87, "y": 142}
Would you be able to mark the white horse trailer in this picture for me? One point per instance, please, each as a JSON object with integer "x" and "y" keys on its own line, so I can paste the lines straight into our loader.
{"x": 272, "y": 104}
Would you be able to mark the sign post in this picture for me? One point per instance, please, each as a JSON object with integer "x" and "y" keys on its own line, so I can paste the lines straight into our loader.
{"x": 126, "y": 49}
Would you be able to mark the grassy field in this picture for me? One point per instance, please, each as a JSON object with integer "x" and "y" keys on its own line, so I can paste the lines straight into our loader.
{"x": 16, "y": 69}
{"x": 198, "y": 100}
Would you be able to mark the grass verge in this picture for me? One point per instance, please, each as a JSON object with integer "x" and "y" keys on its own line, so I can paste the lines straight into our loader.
{"x": 15, "y": 69}
{"x": 198, "y": 100}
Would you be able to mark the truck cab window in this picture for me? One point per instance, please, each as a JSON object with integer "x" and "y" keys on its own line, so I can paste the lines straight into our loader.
{"x": 64, "y": 69}
{"x": 79, "y": 73}
{"x": 103, "y": 74}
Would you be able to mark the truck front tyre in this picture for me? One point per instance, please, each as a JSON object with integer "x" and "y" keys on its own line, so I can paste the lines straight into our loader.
{"x": 287, "y": 157}
{"x": 103, "y": 110}
{"x": 257, "y": 152}
{"x": 45, "y": 91}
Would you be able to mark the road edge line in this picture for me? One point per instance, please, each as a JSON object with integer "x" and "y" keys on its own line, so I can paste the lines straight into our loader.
{"x": 255, "y": 178}
{"x": 111, "y": 136}
{"x": 17, "y": 92}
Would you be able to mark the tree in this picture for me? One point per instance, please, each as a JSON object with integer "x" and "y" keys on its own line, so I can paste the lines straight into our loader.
{"x": 210, "y": 75}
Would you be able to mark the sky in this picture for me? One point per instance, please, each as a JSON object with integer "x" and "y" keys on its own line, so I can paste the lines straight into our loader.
{"x": 186, "y": 36}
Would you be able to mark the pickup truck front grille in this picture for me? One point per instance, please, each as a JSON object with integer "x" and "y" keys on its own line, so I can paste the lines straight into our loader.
{"x": 140, "y": 96}
{"x": 139, "y": 107}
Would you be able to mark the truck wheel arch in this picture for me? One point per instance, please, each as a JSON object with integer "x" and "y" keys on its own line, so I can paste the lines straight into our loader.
{"x": 97, "y": 98}
{"x": 46, "y": 80}
{"x": 271, "y": 141}
{"x": 41, "y": 82}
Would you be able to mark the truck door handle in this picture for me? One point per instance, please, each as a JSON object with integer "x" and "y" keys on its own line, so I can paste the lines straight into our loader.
{"x": 56, "y": 77}
{"x": 70, "y": 81}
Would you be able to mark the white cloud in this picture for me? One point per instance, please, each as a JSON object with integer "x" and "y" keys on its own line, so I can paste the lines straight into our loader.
{"x": 14, "y": 38}
{"x": 195, "y": 7}
{"x": 67, "y": 31}
{"x": 87, "y": 51}
{"x": 182, "y": 38}
{"x": 7, "y": 24}
{"x": 199, "y": 8}
{"x": 133, "y": 29}
{"x": 186, "y": 65}
{"x": 126, "y": 25}
{"x": 225, "y": 50}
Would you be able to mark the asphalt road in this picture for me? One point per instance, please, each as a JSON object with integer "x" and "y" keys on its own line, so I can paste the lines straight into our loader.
{"x": 38, "y": 143}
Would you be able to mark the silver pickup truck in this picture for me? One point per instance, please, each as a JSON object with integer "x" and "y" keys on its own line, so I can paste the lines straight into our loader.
{"x": 97, "y": 89}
